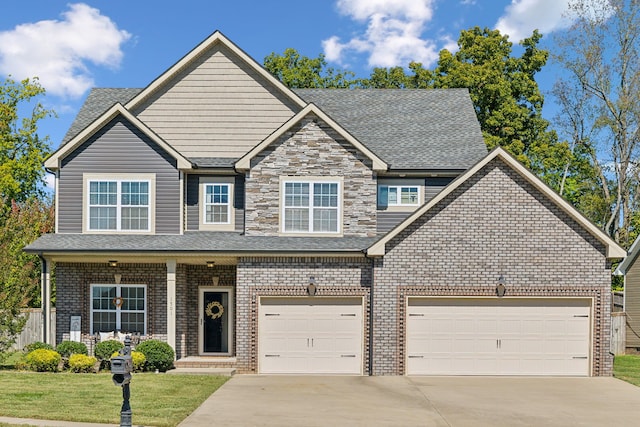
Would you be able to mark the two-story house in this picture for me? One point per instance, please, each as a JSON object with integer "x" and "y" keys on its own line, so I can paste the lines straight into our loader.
{"x": 317, "y": 231}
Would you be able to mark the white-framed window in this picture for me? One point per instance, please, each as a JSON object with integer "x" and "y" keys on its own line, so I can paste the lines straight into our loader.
{"x": 311, "y": 207}
{"x": 118, "y": 308}
{"x": 217, "y": 204}
{"x": 119, "y": 205}
{"x": 398, "y": 195}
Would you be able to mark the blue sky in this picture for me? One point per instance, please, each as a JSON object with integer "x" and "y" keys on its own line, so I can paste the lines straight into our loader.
{"x": 73, "y": 46}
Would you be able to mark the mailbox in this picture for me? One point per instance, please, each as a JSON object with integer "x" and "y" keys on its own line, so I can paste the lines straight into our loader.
{"x": 121, "y": 368}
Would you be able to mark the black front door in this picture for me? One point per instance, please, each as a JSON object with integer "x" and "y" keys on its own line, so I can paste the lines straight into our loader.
{"x": 215, "y": 330}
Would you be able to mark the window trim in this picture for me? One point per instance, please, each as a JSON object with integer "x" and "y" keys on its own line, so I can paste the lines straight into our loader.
{"x": 399, "y": 184}
{"x": 119, "y": 311}
{"x": 202, "y": 186}
{"x": 312, "y": 180}
{"x": 150, "y": 178}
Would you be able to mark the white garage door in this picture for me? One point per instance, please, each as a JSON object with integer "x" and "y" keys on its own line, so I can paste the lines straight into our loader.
{"x": 310, "y": 335}
{"x": 498, "y": 336}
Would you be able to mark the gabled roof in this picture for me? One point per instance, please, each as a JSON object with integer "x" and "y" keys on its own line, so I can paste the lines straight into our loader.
{"x": 634, "y": 250}
{"x": 209, "y": 42}
{"x": 244, "y": 163}
{"x": 423, "y": 129}
{"x": 613, "y": 249}
{"x": 53, "y": 162}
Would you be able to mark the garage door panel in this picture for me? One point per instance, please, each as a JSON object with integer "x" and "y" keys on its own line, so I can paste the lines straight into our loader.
{"x": 310, "y": 336}
{"x": 498, "y": 336}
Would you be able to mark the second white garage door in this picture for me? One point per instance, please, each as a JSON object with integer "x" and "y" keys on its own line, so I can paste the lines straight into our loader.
{"x": 310, "y": 335}
{"x": 498, "y": 336}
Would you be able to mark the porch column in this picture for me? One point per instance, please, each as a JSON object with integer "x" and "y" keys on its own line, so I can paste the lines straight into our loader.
{"x": 45, "y": 297}
{"x": 171, "y": 303}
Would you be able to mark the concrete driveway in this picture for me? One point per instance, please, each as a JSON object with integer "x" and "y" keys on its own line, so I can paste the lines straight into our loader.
{"x": 253, "y": 400}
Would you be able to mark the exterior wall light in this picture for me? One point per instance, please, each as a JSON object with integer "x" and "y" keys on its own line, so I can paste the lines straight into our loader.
{"x": 311, "y": 287}
{"x": 211, "y": 264}
{"x": 113, "y": 263}
{"x": 501, "y": 288}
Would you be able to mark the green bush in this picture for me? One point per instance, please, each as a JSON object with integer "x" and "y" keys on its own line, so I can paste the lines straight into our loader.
{"x": 43, "y": 360}
{"x": 67, "y": 348}
{"x": 81, "y": 363}
{"x": 36, "y": 346}
{"x": 159, "y": 355}
{"x": 137, "y": 359}
{"x": 105, "y": 349}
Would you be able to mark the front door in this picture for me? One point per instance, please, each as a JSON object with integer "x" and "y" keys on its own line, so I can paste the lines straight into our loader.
{"x": 216, "y": 320}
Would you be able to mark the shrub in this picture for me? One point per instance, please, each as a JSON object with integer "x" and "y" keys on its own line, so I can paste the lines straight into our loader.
{"x": 36, "y": 346}
{"x": 43, "y": 360}
{"x": 105, "y": 349}
{"x": 159, "y": 355}
{"x": 81, "y": 363}
{"x": 137, "y": 358}
{"x": 67, "y": 348}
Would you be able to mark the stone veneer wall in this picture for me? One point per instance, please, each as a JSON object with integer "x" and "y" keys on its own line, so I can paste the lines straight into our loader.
{"x": 189, "y": 278}
{"x": 494, "y": 224}
{"x": 73, "y": 297}
{"x": 313, "y": 149}
{"x": 289, "y": 276}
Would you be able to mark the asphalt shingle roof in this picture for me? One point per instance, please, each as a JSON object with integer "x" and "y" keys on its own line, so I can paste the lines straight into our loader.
{"x": 432, "y": 129}
{"x": 200, "y": 241}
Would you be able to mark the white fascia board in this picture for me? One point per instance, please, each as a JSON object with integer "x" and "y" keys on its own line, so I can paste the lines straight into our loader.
{"x": 53, "y": 162}
{"x": 244, "y": 163}
{"x": 613, "y": 249}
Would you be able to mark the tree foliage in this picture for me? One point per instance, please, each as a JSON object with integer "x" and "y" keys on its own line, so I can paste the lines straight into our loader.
{"x": 22, "y": 151}
{"x": 19, "y": 271}
{"x": 600, "y": 53}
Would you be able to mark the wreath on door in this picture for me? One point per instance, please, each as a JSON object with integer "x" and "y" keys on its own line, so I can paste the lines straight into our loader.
{"x": 214, "y": 310}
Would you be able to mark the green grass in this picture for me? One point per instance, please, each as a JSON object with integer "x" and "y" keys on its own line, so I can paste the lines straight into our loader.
{"x": 9, "y": 359}
{"x": 627, "y": 368}
{"x": 156, "y": 399}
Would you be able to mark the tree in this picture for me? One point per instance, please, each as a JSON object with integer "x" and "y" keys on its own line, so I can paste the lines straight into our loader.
{"x": 503, "y": 89}
{"x": 22, "y": 151}
{"x": 19, "y": 271}
{"x": 299, "y": 71}
{"x": 599, "y": 51}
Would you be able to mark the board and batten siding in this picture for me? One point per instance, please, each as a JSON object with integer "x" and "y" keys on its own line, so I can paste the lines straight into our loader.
{"x": 632, "y": 306}
{"x": 389, "y": 219}
{"x": 119, "y": 147}
{"x": 192, "y": 195}
{"x": 216, "y": 107}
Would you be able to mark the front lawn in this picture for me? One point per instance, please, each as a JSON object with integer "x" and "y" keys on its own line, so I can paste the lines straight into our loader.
{"x": 627, "y": 368}
{"x": 156, "y": 399}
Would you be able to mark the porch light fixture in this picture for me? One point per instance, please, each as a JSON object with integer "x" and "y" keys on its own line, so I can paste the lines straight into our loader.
{"x": 211, "y": 264}
{"x": 501, "y": 288}
{"x": 311, "y": 287}
{"x": 113, "y": 263}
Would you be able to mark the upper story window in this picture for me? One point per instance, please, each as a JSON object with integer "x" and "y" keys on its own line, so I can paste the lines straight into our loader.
{"x": 119, "y": 205}
{"x": 311, "y": 207}
{"x": 398, "y": 195}
{"x": 217, "y": 204}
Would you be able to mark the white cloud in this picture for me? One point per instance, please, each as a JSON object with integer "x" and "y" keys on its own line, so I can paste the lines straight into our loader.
{"x": 521, "y": 17}
{"x": 58, "y": 52}
{"x": 393, "y": 34}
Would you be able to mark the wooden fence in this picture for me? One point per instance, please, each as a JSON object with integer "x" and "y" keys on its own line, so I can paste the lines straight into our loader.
{"x": 618, "y": 332}
{"x": 32, "y": 331}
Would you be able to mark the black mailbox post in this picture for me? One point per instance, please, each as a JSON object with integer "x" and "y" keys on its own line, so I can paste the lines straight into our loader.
{"x": 121, "y": 368}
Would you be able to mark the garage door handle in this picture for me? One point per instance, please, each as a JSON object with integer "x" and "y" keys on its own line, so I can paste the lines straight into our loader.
{"x": 348, "y": 314}
{"x": 271, "y": 355}
{"x": 580, "y": 315}
{"x": 580, "y": 357}
{"x": 416, "y": 314}
{"x": 347, "y": 355}
{"x": 416, "y": 357}
{"x": 272, "y": 314}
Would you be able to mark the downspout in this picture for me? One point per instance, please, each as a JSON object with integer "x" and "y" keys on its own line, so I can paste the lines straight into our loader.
{"x": 373, "y": 270}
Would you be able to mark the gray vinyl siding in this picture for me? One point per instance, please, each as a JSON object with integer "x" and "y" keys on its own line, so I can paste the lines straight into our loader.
{"x": 193, "y": 202}
{"x": 119, "y": 147}
{"x": 389, "y": 219}
{"x": 632, "y": 305}
{"x": 217, "y": 107}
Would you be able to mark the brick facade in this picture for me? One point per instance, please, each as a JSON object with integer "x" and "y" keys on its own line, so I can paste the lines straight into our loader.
{"x": 494, "y": 224}
{"x": 311, "y": 149}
